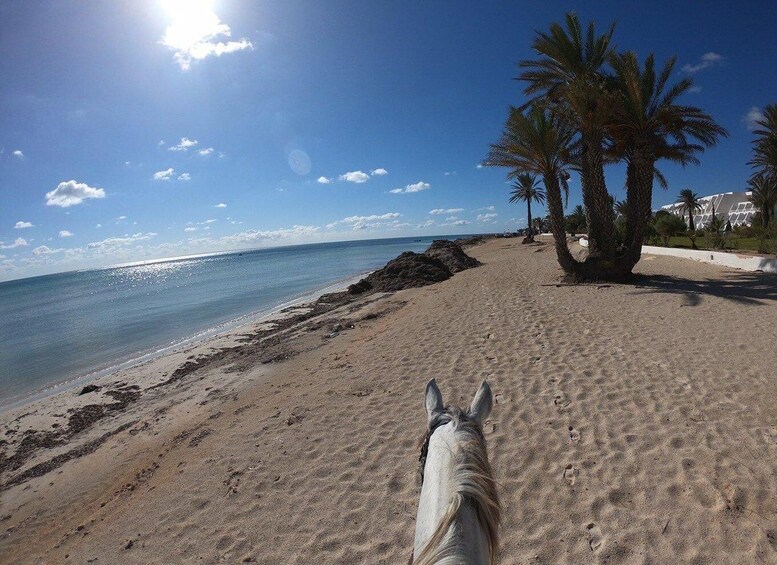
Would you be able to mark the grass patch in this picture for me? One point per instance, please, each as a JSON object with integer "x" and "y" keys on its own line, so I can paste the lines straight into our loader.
{"x": 733, "y": 243}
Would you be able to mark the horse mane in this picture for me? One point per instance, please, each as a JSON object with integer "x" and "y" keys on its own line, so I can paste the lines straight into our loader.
{"x": 474, "y": 483}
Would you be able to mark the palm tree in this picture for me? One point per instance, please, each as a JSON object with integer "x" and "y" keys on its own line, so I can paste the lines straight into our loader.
{"x": 567, "y": 78}
{"x": 763, "y": 195}
{"x": 538, "y": 143}
{"x": 620, "y": 208}
{"x": 689, "y": 202}
{"x": 525, "y": 189}
{"x": 647, "y": 125}
{"x": 765, "y": 142}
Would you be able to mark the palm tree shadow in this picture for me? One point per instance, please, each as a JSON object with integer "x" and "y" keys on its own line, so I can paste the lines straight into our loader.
{"x": 752, "y": 289}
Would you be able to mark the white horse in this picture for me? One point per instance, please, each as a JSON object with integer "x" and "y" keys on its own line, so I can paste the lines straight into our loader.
{"x": 459, "y": 511}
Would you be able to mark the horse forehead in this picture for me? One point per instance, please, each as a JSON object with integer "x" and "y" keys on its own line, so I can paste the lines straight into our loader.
{"x": 443, "y": 436}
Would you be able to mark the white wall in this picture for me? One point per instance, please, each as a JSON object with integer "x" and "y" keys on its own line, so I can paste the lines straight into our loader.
{"x": 743, "y": 262}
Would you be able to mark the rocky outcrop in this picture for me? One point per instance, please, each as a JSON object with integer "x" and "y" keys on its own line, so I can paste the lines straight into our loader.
{"x": 410, "y": 270}
{"x": 451, "y": 255}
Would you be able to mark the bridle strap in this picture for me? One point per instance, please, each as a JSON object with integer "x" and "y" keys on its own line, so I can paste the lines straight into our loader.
{"x": 438, "y": 421}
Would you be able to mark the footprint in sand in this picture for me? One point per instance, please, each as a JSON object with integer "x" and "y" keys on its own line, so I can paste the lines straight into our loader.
{"x": 501, "y": 399}
{"x": 570, "y": 474}
{"x": 574, "y": 435}
{"x": 561, "y": 401}
{"x": 770, "y": 435}
{"x": 595, "y": 538}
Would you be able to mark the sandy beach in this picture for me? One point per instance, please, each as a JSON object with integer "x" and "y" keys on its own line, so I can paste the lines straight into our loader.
{"x": 633, "y": 424}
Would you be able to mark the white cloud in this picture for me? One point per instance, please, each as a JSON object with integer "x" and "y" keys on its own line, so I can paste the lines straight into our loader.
{"x": 121, "y": 218}
{"x": 451, "y": 218}
{"x": 487, "y": 208}
{"x": 324, "y": 180}
{"x": 18, "y": 242}
{"x": 195, "y": 33}
{"x": 220, "y": 205}
{"x": 457, "y": 223}
{"x": 417, "y": 187}
{"x": 23, "y": 225}
{"x": 427, "y": 224}
{"x": 65, "y": 233}
{"x": 207, "y": 222}
{"x": 753, "y": 116}
{"x": 161, "y": 143}
{"x": 184, "y": 177}
{"x": 371, "y": 218}
{"x": 256, "y": 236}
{"x": 113, "y": 242}
{"x": 479, "y": 166}
{"x": 164, "y": 175}
{"x": 205, "y": 152}
{"x": 449, "y": 173}
{"x": 486, "y": 218}
{"x": 707, "y": 60}
{"x": 379, "y": 172}
{"x": 98, "y": 226}
{"x": 71, "y": 193}
{"x": 18, "y": 153}
{"x": 363, "y": 222}
{"x": 357, "y": 177}
{"x": 43, "y": 250}
{"x": 183, "y": 145}
{"x": 440, "y": 211}
{"x": 190, "y": 229}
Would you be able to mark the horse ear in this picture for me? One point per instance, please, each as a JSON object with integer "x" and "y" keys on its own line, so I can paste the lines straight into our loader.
{"x": 481, "y": 404}
{"x": 432, "y": 399}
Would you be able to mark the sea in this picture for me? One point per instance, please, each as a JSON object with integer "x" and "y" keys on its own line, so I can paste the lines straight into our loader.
{"x": 61, "y": 330}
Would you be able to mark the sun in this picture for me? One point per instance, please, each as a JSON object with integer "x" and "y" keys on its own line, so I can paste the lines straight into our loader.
{"x": 192, "y": 21}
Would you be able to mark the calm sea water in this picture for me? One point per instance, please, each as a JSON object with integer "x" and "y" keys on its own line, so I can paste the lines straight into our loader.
{"x": 57, "y": 328}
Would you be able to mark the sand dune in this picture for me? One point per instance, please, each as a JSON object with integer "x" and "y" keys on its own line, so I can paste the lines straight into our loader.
{"x": 633, "y": 424}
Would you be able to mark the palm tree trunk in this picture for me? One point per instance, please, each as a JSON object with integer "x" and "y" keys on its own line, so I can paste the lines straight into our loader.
{"x": 691, "y": 226}
{"x": 599, "y": 212}
{"x": 639, "y": 204}
{"x": 528, "y": 215}
{"x": 556, "y": 214}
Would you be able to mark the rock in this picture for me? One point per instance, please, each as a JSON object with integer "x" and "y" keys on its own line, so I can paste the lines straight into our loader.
{"x": 469, "y": 241}
{"x": 89, "y": 388}
{"x": 409, "y": 270}
{"x": 451, "y": 255}
{"x": 359, "y": 287}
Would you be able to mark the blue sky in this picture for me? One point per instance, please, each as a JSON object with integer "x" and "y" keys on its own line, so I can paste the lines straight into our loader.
{"x": 145, "y": 129}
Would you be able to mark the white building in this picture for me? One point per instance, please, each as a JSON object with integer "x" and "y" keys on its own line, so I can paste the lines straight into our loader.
{"x": 730, "y": 206}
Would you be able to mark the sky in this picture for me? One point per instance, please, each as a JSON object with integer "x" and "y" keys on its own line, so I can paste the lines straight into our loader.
{"x": 145, "y": 129}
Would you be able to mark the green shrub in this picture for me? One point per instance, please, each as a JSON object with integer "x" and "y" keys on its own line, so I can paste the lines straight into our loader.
{"x": 714, "y": 233}
{"x": 667, "y": 225}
